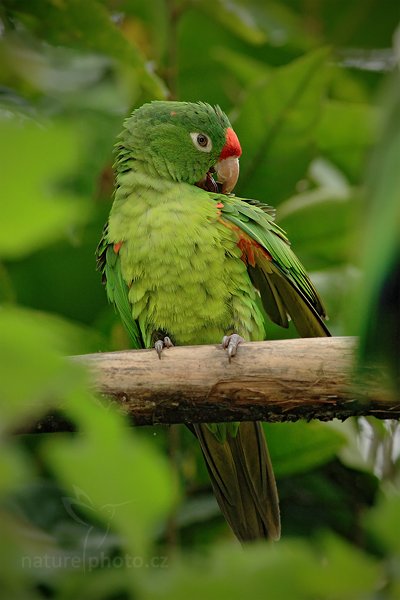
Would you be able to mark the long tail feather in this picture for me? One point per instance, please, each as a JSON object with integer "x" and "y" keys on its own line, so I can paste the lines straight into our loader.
{"x": 243, "y": 480}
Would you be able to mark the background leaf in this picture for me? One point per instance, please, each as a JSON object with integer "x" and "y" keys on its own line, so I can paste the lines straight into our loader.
{"x": 146, "y": 474}
{"x": 85, "y": 26}
{"x": 276, "y": 125}
{"x": 297, "y": 447}
{"x": 34, "y": 212}
{"x": 33, "y": 376}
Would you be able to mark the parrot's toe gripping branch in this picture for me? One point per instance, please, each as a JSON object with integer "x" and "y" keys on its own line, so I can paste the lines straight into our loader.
{"x": 161, "y": 344}
{"x": 231, "y": 343}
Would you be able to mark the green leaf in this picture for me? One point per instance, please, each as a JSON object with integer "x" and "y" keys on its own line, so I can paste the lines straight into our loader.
{"x": 121, "y": 475}
{"x": 276, "y": 126}
{"x": 345, "y": 134}
{"x": 195, "y": 65}
{"x": 236, "y": 573}
{"x": 297, "y": 447}
{"x": 36, "y": 210}
{"x": 291, "y": 569}
{"x": 247, "y": 70}
{"x": 384, "y": 522}
{"x": 86, "y": 26}
{"x": 13, "y": 469}
{"x": 148, "y": 24}
{"x": 72, "y": 338}
{"x": 33, "y": 375}
{"x": 355, "y": 24}
{"x": 345, "y": 572}
{"x": 237, "y": 17}
{"x": 320, "y": 227}
{"x": 259, "y": 22}
{"x": 378, "y": 300}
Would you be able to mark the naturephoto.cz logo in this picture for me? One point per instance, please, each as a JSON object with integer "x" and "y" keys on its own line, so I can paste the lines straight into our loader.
{"x": 96, "y": 546}
{"x": 91, "y": 563}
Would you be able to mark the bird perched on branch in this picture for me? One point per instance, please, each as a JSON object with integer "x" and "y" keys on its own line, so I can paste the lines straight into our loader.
{"x": 186, "y": 262}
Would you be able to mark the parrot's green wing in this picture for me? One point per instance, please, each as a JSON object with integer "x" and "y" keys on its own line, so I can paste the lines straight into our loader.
{"x": 109, "y": 265}
{"x": 284, "y": 286}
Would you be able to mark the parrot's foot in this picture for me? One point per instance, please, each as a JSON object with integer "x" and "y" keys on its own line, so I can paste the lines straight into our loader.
{"x": 161, "y": 344}
{"x": 231, "y": 343}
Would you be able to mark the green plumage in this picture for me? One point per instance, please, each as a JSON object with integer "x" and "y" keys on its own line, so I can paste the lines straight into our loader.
{"x": 173, "y": 257}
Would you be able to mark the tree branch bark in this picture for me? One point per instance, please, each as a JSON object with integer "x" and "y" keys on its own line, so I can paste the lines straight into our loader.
{"x": 271, "y": 381}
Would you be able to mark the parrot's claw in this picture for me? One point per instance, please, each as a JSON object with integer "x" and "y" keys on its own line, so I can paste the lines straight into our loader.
{"x": 161, "y": 344}
{"x": 231, "y": 343}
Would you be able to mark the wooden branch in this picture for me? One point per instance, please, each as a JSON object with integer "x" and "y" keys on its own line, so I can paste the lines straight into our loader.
{"x": 270, "y": 381}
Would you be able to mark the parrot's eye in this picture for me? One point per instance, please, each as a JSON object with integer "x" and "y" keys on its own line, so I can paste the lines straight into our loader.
{"x": 201, "y": 141}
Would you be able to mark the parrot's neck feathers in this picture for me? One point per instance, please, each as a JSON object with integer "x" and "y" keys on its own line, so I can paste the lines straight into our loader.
{"x": 133, "y": 180}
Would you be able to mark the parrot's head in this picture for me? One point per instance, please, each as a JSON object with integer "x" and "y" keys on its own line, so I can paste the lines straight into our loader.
{"x": 181, "y": 141}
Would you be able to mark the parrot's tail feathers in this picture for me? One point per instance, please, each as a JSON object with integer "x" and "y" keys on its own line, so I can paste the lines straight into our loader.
{"x": 243, "y": 480}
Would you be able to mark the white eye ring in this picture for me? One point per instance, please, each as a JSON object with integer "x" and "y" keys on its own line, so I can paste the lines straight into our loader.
{"x": 201, "y": 141}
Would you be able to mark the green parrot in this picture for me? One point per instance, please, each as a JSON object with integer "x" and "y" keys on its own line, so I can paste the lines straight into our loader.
{"x": 184, "y": 261}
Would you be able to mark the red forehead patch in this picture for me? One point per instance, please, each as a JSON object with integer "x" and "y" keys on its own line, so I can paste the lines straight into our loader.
{"x": 232, "y": 145}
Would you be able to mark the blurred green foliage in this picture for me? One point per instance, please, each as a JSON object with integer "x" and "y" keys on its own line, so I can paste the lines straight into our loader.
{"x": 114, "y": 513}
